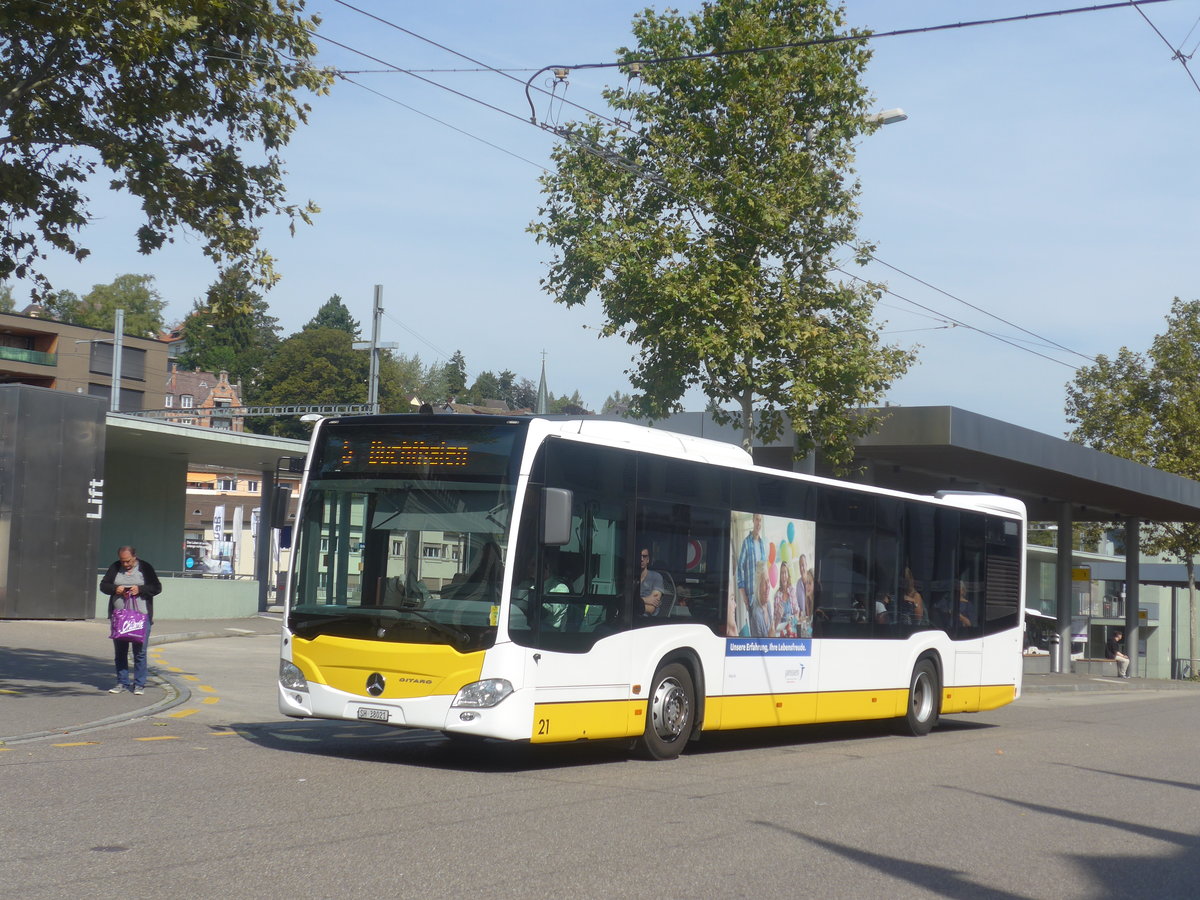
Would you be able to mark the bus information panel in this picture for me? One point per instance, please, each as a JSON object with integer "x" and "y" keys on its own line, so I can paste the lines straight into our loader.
{"x": 420, "y": 449}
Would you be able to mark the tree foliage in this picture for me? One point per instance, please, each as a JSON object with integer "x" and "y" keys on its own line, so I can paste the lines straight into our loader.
{"x": 232, "y": 330}
{"x": 313, "y": 366}
{"x": 1143, "y": 407}
{"x": 186, "y": 103}
{"x": 136, "y": 294}
{"x": 334, "y": 314}
{"x": 6, "y": 298}
{"x": 708, "y": 228}
{"x": 517, "y": 393}
{"x": 456, "y": 374}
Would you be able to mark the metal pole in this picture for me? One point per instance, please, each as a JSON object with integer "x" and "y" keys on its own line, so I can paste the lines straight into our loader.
{"x": 262, "y": 542}
{"x": 373, "y": 386}
{"x": 114, "y": 404}
{"x": 1063, "y": 588}
{"x": 1133, "y": 552}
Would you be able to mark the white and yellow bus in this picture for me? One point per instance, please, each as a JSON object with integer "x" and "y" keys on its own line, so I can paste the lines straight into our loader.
{"x": 543, "y": 579}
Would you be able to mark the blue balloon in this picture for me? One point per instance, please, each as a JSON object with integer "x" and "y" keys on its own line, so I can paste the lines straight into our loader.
{"x": 791, "y": 532}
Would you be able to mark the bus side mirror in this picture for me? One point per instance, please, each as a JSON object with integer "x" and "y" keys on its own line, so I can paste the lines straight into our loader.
{"x": 279, "y": 505}
{"x": 556, "y": 516}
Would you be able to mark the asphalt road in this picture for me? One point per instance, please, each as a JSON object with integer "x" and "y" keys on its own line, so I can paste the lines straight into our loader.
{"x": 1065, "y": 795}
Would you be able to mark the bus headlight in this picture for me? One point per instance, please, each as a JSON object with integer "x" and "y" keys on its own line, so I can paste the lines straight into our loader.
{"x": 291, "y": 677}
{"x": 484, "y": 694}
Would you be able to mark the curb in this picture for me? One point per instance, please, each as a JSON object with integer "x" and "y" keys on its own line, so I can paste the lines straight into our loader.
{"x": 177, "y": 694}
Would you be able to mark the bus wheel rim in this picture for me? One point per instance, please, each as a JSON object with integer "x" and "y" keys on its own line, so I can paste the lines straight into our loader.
{"x": 670, "y": 707}
{"x": 922, "y": 697}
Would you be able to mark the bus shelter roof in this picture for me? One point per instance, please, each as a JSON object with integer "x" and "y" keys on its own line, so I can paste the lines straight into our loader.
{"x": 931, "y": 448}
{"x": 926, "y": 449}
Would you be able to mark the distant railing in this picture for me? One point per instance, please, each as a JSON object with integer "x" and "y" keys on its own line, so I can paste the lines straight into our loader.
{"x": 227, "y": 412}
{"x": 1187, "y": 670}
{"x": 36, "y": 357}
{"x": 193, "y": 573}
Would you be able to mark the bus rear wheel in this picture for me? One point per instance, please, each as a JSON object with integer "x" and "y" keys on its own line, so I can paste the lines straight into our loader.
{"x": 924, "y": 700}
{"x": 671, "y": 712}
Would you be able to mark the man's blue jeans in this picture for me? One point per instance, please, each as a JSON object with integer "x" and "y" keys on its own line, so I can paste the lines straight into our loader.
{"x": 121, "y": 658}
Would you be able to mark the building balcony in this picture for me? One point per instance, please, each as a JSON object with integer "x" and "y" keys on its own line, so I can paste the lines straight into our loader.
{"x": 35, "y": 357}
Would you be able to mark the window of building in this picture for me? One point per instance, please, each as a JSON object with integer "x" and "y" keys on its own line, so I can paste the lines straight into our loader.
{"x": 252, "y": 486}
{"x": 168, "y": 401}
{"x": 397, "y": 548}
{"x": 226, "y": 484}
{"x": 187, "y": 401}
{"x": 431, "y": 551}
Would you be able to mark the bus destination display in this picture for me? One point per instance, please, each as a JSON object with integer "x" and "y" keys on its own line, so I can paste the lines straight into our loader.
{"x": 475, "y": 451}
{"x": 409, "y": 454}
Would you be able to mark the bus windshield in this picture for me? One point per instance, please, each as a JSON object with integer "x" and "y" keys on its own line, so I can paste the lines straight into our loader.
{"x": 403, "y": 533}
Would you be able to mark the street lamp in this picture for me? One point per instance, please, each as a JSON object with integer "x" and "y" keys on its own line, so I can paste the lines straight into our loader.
{"x": 887, "y": 116}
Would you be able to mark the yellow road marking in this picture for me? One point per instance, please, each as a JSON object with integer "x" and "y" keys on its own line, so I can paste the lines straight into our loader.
{"x": 3, "y": 691}
{"x": 77, "y": 744}
{"x": 205, "y": 687}
{"x": 225, "y": 733}
{"x": 211, "y": 700}
{"x": 182, "y": 713}
{"x": 192, "y": 677}
{"x": 174, "y": 669}
{"x": 159, "y": 737}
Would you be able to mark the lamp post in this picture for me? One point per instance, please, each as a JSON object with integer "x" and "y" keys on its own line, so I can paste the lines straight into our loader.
{"x": 114, "y": 400}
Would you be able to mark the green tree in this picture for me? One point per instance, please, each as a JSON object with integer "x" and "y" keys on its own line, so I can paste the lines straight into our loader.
{"x": 456, "y": 374}
{"x": 1143, "y": 407}
{"x": 568, "y": 406}
{"x": 401, "y": 378}
{"x": 524, "y": 394}
{"x": 486, "y": 387}
{"x": 7, "y": 304}
{"x": 187, "y": 103}
{"x": 334, "y": 314}
{"x": 709, "y": 228}
{"x": 135, "y": 294}
{"x": 63, "y": 305}
{"x": 232, "y": 330}
{"x": 435, "y": 387}
{"x": 314, "y": 366}
{"x": 617, "y": 404}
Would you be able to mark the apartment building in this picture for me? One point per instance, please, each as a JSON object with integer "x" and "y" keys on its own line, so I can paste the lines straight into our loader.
{"x": 44, "y": 353}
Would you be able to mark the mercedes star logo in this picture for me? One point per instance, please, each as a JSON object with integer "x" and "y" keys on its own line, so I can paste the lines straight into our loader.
{"x": 375, "y": 684}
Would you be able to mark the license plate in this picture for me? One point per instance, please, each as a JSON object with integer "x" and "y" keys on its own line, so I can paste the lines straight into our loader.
{"x": 372, "y": 714}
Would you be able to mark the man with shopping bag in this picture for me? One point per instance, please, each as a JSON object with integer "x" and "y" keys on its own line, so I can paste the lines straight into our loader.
{"x": 131, "y": 585}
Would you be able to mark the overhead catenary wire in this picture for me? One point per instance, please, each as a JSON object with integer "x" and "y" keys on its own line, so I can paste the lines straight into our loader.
{"x": 1045, "y": 341}
{"x": 1176, "y": 53}
{"x": 641, "y": 173}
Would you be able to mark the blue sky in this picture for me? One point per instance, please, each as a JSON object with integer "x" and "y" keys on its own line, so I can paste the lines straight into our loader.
{"x": 1046, "y": 174}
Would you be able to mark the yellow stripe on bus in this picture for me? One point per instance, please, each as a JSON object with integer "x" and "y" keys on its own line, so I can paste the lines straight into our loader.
{"x": 626, "y": 718}
{"x": 593, "y": 720}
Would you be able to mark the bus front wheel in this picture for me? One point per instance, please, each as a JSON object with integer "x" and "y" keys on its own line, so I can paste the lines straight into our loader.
{"x": 670, "y": 714}
{"x": 924, "y": 700}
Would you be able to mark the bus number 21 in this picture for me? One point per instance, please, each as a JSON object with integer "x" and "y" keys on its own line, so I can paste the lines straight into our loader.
{"x": 543, "y": 726}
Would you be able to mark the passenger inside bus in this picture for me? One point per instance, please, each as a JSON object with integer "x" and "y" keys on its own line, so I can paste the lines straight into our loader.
{"x": 650, "y": 584}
